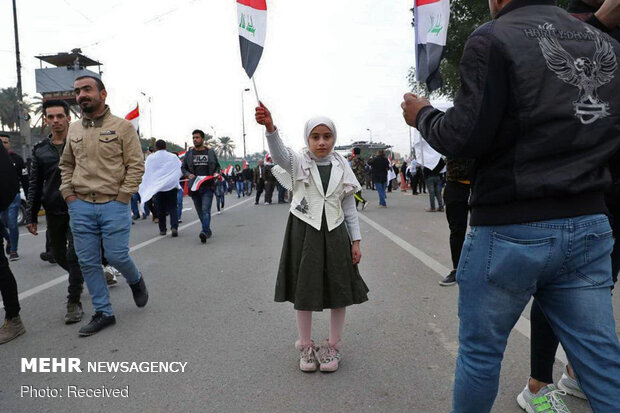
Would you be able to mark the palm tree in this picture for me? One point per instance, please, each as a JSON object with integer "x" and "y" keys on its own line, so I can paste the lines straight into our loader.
{"x": 9, "y": 108}
{"x": 225, "y": 147}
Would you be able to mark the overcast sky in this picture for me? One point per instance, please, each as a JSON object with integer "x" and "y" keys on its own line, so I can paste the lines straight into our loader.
{"x": 340, "y": 58}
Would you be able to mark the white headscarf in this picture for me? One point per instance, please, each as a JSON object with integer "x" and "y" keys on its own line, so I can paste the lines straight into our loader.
{"x": 351, "y": 185}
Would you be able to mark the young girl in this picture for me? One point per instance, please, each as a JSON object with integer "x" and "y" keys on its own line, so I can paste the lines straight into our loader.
{"x": 318, "y": 266}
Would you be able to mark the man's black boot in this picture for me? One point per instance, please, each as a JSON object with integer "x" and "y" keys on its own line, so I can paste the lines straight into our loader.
{"x": 140, "y": 293}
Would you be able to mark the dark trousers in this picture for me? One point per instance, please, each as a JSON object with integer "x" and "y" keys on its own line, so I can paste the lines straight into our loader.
{"x": 544, "y": 343}
{"x": 260, "y": 187}
{"x": 8, "y": 285}
{"x": 269, "y": 187}
{"x": 456, "y": 198}
{"x": 64, "y": 253}
{"x": 166, "y": 202}
{"x": 48, "y": 243}
{"x": 421, "y": 184}
{"x": 414, "y": 184}
{"x": 281, "y": 193}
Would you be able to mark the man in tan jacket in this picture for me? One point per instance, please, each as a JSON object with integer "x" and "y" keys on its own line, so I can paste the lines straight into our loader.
{"x": 101, "y": 167}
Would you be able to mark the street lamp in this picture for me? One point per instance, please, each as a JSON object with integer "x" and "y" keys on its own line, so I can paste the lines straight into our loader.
{"x": 370, "y": 130}
{"x": 150, "y": 113}
{"x": 243, "y": 118}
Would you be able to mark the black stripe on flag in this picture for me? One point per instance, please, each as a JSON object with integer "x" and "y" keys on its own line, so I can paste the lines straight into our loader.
{"x": 250, "y": 55}
{"x": 427, "y": 65}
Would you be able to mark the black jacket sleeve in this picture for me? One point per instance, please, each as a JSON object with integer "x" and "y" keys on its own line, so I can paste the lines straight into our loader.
{"x": 468, "y": 129}
{"x": 9, "y": 184}
{"x": 185, "y": 165}
{"x": 217, "y": 163}
{"x": 35, "y": 190}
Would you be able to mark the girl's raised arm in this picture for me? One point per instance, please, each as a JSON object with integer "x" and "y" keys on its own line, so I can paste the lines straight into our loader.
{"x": 279, "y": 153}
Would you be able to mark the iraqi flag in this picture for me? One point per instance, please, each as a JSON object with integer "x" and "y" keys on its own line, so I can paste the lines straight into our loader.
{"x": 201, "y": 180}
{"x": 431, "y": 30}
{"x": 134, "y": 117}
{"x": 252, "y": 17}
{"x": 245, "y": 164}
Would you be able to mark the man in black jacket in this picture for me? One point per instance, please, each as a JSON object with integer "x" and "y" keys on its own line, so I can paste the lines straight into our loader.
{"x": 201, "y": 161}
{"x": 9, "y": 186}
{"x": 379, "y": 171}
{"x": 9, "y": 214}
{"x": 544, "y": 343}
{"x": 539, "y": 112}
{"x": 45, "y": 190}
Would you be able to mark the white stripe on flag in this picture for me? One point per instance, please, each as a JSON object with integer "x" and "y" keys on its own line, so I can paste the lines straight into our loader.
{"x": 432, "y": 23}
{"x": 252, "y": 24}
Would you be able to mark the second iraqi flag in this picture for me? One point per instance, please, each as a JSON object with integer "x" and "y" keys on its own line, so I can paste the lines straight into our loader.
{"x": 252, "y": 16}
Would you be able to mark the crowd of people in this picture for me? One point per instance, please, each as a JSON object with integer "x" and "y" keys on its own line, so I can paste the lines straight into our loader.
{"x": 531, "y": 162}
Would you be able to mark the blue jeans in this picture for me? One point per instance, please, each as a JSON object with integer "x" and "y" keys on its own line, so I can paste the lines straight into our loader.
{"x": 9, "y": 217}
{"x": 566, "y": 265}
{"x": 180, "y": 202}
{"x": 91, "y": 224}
{"x": 433, "y": 183}
{"x": 380, "y": 187}
{"x": 203, "y": 199}
{"x": 135, "y": 199}
{"x": 239, "y": 186}
{"x": 248, "y": 187}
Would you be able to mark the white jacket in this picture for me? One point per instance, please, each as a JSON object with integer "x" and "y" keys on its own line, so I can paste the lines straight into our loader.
{"x": 309, "y": 199}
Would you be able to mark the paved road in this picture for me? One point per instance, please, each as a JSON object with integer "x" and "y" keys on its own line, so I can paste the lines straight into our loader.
{"x": 212, "y": 307}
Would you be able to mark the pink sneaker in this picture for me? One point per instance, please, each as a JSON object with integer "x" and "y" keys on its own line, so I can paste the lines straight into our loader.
{"x": 328, "y": 356}
{"x": 307, "y": 361}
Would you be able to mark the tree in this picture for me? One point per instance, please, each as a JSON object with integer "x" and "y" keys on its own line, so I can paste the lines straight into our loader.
{"x": 9, "y": 108}
{"x": 225, "y": 148}
{"x": 465, "y": 17}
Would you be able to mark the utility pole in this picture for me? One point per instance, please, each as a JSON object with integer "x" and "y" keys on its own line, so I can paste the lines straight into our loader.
{"x": 24, "y": 124}
{"x": 243, "y": 119}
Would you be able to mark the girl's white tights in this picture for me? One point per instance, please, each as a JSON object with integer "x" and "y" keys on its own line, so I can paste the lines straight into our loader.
{"x": 304, "y": 326}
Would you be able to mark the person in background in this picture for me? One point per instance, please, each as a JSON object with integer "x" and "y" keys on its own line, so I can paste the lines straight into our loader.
{"x": 456, "y": 199}
{"x": 238, "y": 180}
{"x": 270, "y": 180}
{"x": 9, "y": 215}
{"x": 201, "y": 161}
{"x": 259, "y": 180}
{"x": 9, "y": 186}
{"x": 379, "y": 170}
{"x": 248, "y": 178}
{"x": 433, "y": 183}
{"x": 358, "y": 165}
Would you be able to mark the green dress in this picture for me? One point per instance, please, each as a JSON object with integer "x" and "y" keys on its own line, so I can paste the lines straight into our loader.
{"x": 316, "y": 267}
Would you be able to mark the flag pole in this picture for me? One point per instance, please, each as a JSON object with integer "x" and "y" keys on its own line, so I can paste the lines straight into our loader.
{"x": 255, "y": 91}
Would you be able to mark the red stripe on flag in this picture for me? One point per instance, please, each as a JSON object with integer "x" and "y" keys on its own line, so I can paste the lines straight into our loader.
{"x": 424, "y": 2}
{"x": 133, "y": 114}
{"x": 255, "y": 4}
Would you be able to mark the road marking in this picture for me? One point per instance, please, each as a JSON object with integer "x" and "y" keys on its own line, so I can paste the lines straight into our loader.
{"x": 523, "y": 324}
{"x": 64, "y": 277}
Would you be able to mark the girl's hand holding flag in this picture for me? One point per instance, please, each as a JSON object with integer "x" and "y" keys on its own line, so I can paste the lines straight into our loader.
{"x": 263, "y": 117}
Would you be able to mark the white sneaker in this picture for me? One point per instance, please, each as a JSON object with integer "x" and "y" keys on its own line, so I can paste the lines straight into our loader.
{"x": 111, "y": 275}
{"x": 570, "y": 385}
{"x": 547, "y": 400}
